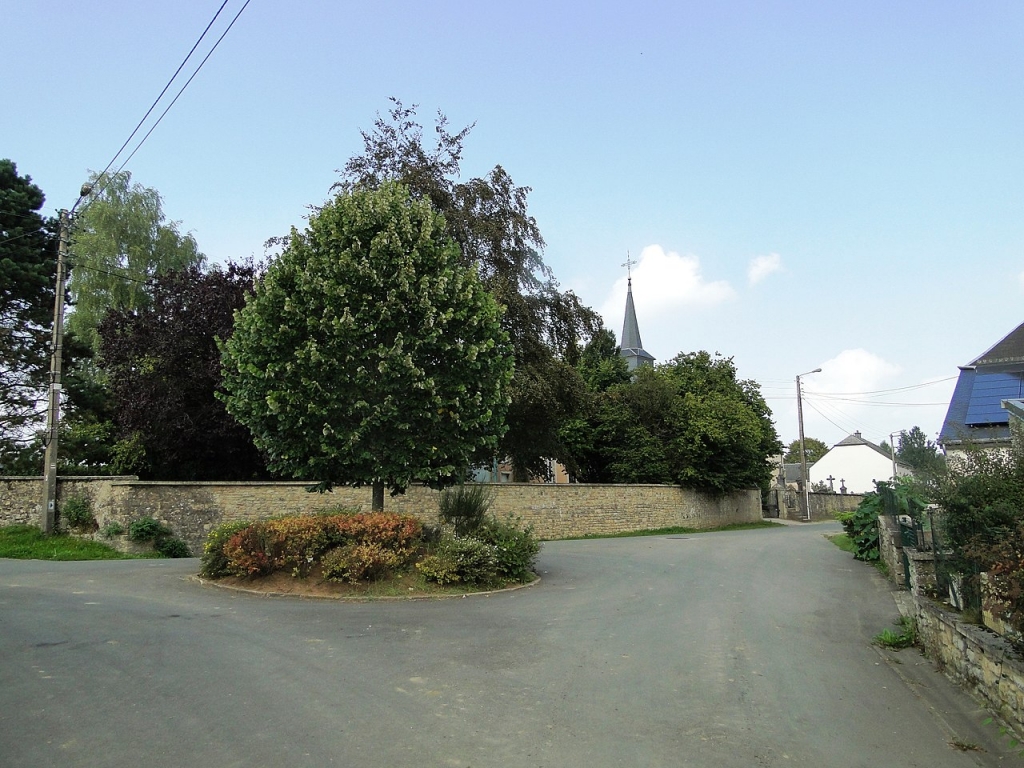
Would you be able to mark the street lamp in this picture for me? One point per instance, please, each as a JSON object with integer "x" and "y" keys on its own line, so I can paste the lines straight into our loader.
{"x": 803, "y": 454}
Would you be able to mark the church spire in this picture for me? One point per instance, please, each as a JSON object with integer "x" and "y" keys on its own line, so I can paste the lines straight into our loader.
{"x": 630, "y": 346}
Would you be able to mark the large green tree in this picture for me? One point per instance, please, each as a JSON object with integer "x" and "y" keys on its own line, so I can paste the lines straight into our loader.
{"x": 163, "y": 367}
{"x": 122, "y": 238}
{"x": 370, "y": 353}
{"x": 813, "y": 447}
{"x": 689, "y": 421}
{"x": 489, "y": 220}
{"x": 28, "y": 261}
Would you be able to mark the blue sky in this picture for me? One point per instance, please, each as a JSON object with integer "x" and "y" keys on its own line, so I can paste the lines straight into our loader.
{"x": 805, "y": 184}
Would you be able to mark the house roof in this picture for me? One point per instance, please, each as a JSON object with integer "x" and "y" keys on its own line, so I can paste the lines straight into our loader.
{"x": 857, "y": 439}
{"x": 1009, "y": 349}
{"x": 975, "y": 413}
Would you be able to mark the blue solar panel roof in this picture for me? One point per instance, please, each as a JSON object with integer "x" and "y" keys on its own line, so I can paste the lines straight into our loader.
{"x": 989, "y": 389}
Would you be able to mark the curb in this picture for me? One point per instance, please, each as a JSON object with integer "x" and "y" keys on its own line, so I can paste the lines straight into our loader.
{"x": 358, "y": 598}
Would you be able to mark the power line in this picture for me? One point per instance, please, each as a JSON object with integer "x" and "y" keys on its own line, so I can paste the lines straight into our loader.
{"x": 186, "y": 85}
{"x": 871, "y": 403}
{"x": 121, "y": 275}
{"x": 24, "y": 234}
{"x": 162, "y": 92}
{"x": 175, "y": 99}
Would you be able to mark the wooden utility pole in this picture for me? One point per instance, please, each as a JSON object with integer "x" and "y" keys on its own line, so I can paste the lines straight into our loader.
{"x": 49, "y": 507}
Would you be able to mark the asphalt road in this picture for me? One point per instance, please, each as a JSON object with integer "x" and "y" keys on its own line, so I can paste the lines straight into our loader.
{"x": 747, "y": 648}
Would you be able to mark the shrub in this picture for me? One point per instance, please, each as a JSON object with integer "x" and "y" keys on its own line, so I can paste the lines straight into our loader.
{"x": 250, "y": 551}
{"x": 376, "y": 542}
{"x": 77, "y": 514}
{"x": 465, "y": 507}
{"x": 1000, "y": 553}
{"x": 110, "y": 530}
{"x": 981, "y": 498}
{"x": 861, "y": 525}
{"x": 458, "y": 559}
{"x": 515, "y": 547}
{"x": 300, "y": 541}
{"x": 171, "y": 546}
{"x": 214, "y": 563}
{"x": 147, "y": 529}
{"x": 369, "y": 561}
{"x": 386, "y": 528}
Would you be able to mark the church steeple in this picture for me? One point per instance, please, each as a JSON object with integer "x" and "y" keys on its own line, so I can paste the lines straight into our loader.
{"x": 630, "y": 346}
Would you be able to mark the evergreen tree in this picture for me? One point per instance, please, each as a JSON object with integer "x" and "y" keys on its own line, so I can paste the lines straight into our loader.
{"x": 28, "y": 263}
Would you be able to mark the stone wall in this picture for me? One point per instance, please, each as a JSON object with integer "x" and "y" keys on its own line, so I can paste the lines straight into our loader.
{"x": 890, "y": 549}
{"x": 823, "y": 506}
{"x": 555, "y": 511}
{"x": 978, "y": 660}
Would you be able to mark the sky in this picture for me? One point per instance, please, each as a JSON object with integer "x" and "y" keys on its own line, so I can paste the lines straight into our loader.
{"x": 803, "y": 185}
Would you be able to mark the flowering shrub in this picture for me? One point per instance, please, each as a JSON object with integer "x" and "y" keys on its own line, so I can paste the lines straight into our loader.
{"x": 515, "y": 547}
{"x": 464, "y": 560}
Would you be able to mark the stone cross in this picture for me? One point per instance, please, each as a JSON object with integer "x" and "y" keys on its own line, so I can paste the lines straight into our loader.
{"x": 831, "y": 480}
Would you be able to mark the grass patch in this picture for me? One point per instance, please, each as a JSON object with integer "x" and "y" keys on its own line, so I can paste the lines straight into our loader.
{"x": 895, "y": 641}
{"x": 843, "y": 541}
{"x": 675, "y": 530}
{"x": 26, "y": 542}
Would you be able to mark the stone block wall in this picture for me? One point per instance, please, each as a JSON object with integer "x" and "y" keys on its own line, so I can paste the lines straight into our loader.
{"x": 191, "y": 510}
{"x": 825, "y": 506}
{"x": 890, "y": 548}
{"x": 978, "y": 660}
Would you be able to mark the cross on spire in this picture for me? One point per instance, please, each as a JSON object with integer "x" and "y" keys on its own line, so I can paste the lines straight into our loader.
{"x": 628, "y": 264}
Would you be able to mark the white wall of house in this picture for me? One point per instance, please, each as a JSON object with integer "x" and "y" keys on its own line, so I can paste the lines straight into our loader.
{"x": 858, "y": 466}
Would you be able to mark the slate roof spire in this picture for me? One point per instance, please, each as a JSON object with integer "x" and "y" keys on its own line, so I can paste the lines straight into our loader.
{"x": 630, "y": 346}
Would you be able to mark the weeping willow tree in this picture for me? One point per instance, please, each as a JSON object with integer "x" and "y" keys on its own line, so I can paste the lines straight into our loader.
{"x": 120, "y": 241}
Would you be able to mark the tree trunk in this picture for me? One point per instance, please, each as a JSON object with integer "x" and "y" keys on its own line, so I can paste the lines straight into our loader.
{"x": 377, "y": 505}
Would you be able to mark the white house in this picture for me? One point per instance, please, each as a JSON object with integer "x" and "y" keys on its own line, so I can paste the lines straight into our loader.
{"x": 854, "y": 463}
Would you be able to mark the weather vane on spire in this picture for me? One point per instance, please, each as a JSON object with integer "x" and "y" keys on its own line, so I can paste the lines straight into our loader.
{"x": 628, "y": 264}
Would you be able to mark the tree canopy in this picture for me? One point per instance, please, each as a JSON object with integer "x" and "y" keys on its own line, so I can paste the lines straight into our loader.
{"x": 689, "y": 421}
{"x": 28, "y": 265}
{"x": 163, "y": 367}
{"x": 488, "y": 219}
{"x": 920, "y": 454}
{"x": 370, "y": 353}
{"x": 121, "y": 239}
{"x": 813, "y": 447}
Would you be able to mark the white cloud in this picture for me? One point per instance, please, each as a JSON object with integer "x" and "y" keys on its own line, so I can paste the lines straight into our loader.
{"x": 854, "y": 370}
{"x": 762, "y": 266}
{"x": 836, "y": 403}
{"x": 663, "y": 282}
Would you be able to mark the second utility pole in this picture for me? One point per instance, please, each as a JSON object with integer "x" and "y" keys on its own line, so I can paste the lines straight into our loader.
{"x": 49, "y": 510}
